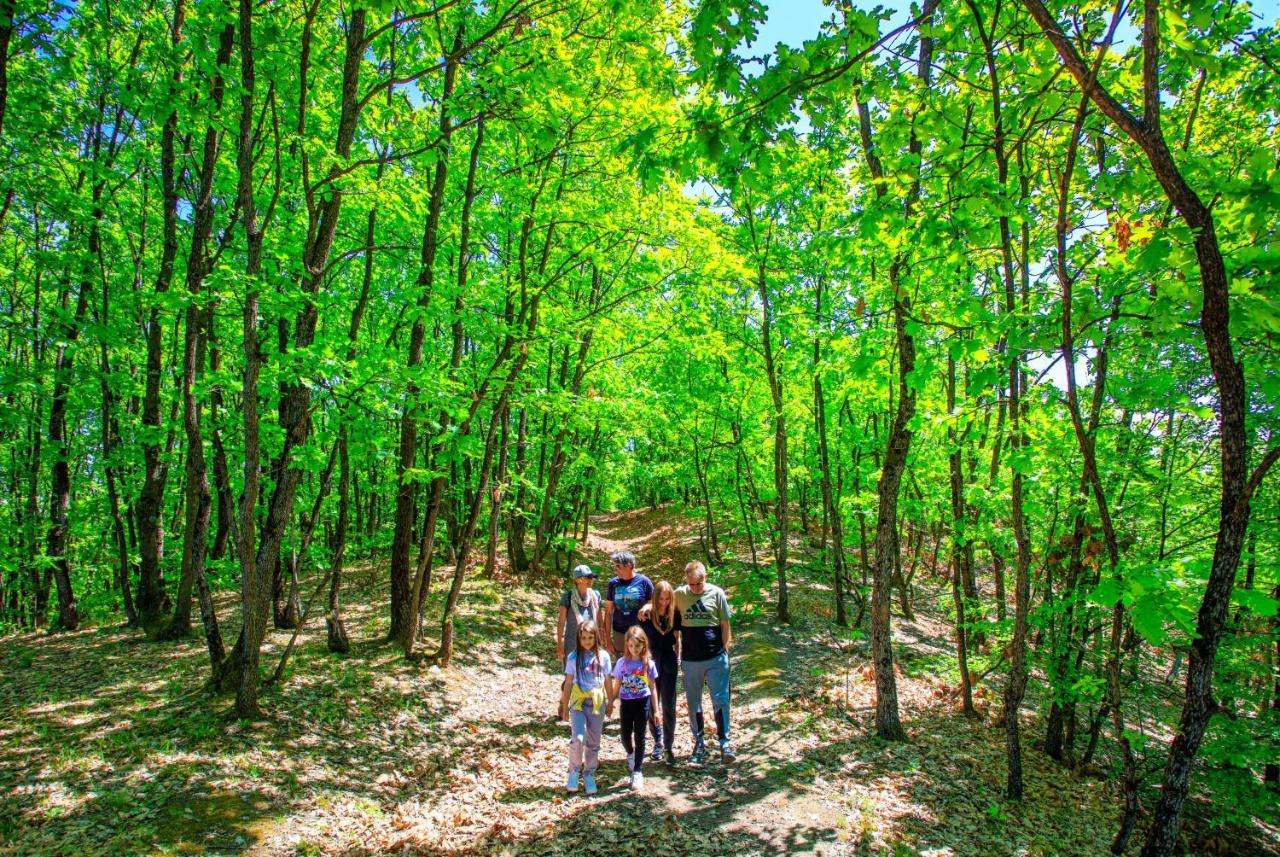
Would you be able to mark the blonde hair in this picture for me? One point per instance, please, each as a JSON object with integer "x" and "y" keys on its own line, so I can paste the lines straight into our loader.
{"x": 664, "y": 620}
{"x": 635, "y": 632}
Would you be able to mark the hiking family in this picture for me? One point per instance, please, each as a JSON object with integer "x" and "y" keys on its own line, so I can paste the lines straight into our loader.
{"x": 629, "y": 648}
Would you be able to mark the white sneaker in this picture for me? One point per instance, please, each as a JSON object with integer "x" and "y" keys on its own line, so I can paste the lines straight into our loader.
{"x": 637, "y": 781}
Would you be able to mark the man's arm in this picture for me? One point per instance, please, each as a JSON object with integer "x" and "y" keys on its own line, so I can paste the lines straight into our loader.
{"x": 606, "y": 632}
{"x": 725, "y": 631}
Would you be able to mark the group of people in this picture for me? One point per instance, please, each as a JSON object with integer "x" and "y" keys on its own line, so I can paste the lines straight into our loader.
{"x": 629, "y": 648}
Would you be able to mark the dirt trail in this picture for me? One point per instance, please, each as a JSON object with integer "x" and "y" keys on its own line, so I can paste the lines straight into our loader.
{"x": 109, "y": 746}
{"x": 513, "y": 751}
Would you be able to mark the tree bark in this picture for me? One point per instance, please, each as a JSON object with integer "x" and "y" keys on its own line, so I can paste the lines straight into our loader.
{"x": 404, "y": 602}
{"x": 195, "y": 533}
{"x": 1228, "y": 375}
{"x": 898, "y": 445}
{"x": 961, "y": 545}
{"x": 780, "y": 468}
{"x": 151, "y": 594}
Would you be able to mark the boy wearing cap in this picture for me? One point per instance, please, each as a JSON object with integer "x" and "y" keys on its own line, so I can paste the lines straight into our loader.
{"x": 577, "y": 605}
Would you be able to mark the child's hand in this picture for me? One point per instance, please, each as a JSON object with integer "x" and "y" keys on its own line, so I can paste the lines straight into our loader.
{"x": 608, "y": 709}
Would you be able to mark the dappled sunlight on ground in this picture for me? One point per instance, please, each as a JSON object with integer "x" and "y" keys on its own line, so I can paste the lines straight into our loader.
{"x": 111, "y": 745}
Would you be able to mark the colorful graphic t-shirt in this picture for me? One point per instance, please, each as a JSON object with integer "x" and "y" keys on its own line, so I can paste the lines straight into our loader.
{"x": 632, "y": 674}
{"x": 700, "y": 615}
{"x": 591, "y": 678}
{"x": 628, "y": 596}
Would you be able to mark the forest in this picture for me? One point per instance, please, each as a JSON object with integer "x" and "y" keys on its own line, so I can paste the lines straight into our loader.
{"x": 336, "y": 333}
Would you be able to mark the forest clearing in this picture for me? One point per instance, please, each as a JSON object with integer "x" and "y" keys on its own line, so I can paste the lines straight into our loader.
{"x": 927, "y": 355}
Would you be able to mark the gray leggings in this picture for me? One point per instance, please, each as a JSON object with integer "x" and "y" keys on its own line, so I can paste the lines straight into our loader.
{"x": 715, "y": 674}
{"x": 584, "y": 739}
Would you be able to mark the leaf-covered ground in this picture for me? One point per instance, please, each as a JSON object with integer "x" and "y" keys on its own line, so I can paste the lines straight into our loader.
{"x": 110, "y": 746}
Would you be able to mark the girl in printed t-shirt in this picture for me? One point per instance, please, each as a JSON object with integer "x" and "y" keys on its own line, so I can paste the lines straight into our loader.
{"x": 588, "y": 693}
{"x": 635, "y": 672}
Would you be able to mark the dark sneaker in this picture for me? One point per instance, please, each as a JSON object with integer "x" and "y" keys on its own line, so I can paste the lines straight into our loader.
{"x": 670, "y": 759}
{"x": 726, "y": 751}
{"x": 699, "y": 754}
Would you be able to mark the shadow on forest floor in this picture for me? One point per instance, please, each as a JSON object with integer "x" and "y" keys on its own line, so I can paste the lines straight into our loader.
{"x": 111, "y": 746}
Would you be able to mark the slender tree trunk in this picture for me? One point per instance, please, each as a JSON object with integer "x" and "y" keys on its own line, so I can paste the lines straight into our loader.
{"x": 254, "y": 593}
{"x": 830, "y": 502}
{"x": 1232, "y": 403}
{"x": 151, "y": 594}
{"x": 780, "y": 468}
{"x": 337, "y": 632}
{"x": 195, "y": 534}
{"x": 1017, "y": 683}
{"x": 960, "y": 540}
{"x": 898, "y": 446}
{"x": 404, "y": 600}
{"x": 110, "y": 433}
{"x": 57, "y": 541}
{"x": 495, "y": 502}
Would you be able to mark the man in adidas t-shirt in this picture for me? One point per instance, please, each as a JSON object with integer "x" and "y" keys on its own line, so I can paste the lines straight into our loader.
{"x": 705, "y": 640}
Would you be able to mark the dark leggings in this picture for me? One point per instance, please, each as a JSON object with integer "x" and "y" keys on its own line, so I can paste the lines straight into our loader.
{"x": 635, "y": 714}
{"x": 667, "y": 675}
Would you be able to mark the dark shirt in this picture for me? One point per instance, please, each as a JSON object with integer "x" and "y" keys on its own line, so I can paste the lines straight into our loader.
{"x": 662, "y": 647}
{"x": 628, "y": 596}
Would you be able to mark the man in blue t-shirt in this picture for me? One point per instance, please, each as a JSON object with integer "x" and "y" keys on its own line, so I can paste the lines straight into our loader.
{"x": 627, "y": 593}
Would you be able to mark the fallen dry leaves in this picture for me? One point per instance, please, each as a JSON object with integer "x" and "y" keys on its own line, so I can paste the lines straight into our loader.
{"x": 110, "y": 748}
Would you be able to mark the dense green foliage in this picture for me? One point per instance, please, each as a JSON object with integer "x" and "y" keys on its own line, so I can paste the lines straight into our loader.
{"x": 644, "y": 264}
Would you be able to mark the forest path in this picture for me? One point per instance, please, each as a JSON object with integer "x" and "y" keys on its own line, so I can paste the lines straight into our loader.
{"x": 502, "y": 720}
{"x": 109, "y": 745}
